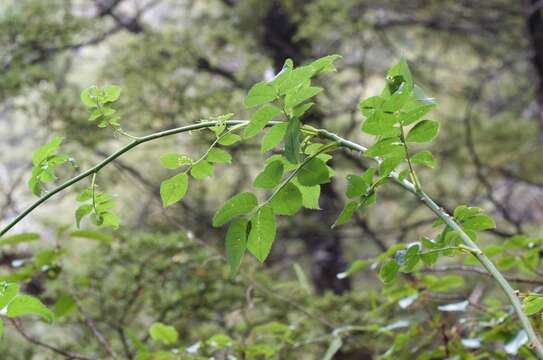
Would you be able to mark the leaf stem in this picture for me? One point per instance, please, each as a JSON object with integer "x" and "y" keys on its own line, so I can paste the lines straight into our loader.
{"x": 414, "y": 177}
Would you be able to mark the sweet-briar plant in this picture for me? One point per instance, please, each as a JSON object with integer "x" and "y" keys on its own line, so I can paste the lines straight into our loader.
{"x": 290, "y": 180}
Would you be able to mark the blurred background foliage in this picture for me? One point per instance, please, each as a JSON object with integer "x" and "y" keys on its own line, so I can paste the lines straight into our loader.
{"x": 179, "y": 61}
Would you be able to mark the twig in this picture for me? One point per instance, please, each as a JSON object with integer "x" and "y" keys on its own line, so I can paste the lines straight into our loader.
{"x": 92, "y": 326}
{"x": 16, "y": 324}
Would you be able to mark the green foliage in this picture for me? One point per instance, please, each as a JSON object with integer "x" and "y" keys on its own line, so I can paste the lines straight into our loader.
{"x": 98, "y": 102}
{"x": 45, "y": 160}
{"x": 174, "y": 189}
{"x": 98, "y": 205}
{"x": 163, "y": 333}
{"x": 238, "y": 205}
{"x": 17, "y": 305}
{"x": 262, "y": 234}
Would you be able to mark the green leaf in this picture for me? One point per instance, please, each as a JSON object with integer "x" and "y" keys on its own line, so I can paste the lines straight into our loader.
{"x": 292, "y": 141}
{"x": 402, "y": 69}
{"x": 93, "y": 235}
{"x": 479, "y": 222}
{"x": 273, "y": 137}
{"x": 310, "y": 195}
{"x": 262, "y": 233}
{"x": 423, "y": 131}
{"x": 533, "y": 305}
{"x": 81, "y": 212}
{"x": 413, "y": 115}
{"x": 46, "y": 150}
{"x": 314, "y": 172}
{"x": 259, "y": 120}
{"x": 219, "y": 156}
{"x": 299, "y": 110}
{"x": 20, "y": 238}
{"x": 173, "y": 161}
{"x": 270, "y": 176}
{"x": 88, "y": 97}
{"x": 173, "y": 189}
{"x": 381, "y": 124}
{"x": 260, "y": 93}
{"x": 8, "y": 291}
{"x": 24, "y": 305}
{"x": 111, "y": 93}
{"x": 295, "y": 78}
{"x": 298, "y": 96}
{"x": 355, "y": 266}
{"x": 386, "y": 147}
{"x": 164, "y": 333}
{"x": 288, "y": 201}
{"x": 201, "y": 170}
{"x": 237, "y": 205}
{"x": 325, "y": 64}
{"x": 346, "y": 213}
{"x": 388, "y": 271}
{"x": 236, "y": 243}
{"x": 229, "y": 139}
{"x": 463, "y": 212}
{"x": 356, "y": 186}
{"x": 64, "y": 305}
{"x": 424, "y": 158}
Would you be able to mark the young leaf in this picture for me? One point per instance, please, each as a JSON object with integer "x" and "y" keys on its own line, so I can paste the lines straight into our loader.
{"x": 533, "y": 304}
{"x": 271, "y": 176}
{"x": 325, "y": 63}
{"x": 388, "y": 271}
{"x": 356, "y": 186}
{"x": 479, "y": 222}
{"x": 260, "y": 93}
{"x": 8, "y": 291}
{"x": 237, "y": 205}
{"x": 46, "y": 150}
{"x": 229, "y": 139}
{"x": 310, "y": 195}
{"x": 287, "y": 201}
{"x": 173, "y": 161}
{"x": 386, "y": 147}
{"x": 424, "y": 158}
{"x": 259, "y": 120}
{"x": 292, "y": 141}
{"x": 111, "y": 93}
{"x": 346, "y": 213}
{"x": 381, "y": 124}
{"x": 295, "y": 78}
{"x": 201, "y": 170}
{"x": 424, "y": 131}
{"x": 413, "y": 115}
{"x": 236, "y": 242}
{"x": 273, "y": 137}
{"x": 20, "y": 238}
{"x": 164, "y": 333}
{"x": 219, "y": 156}
{"x": 81, "y": 212}
{"x": 173, "y": 189}
{"x": 262, "y": 233}
{"x": 314, "y": 172}
{"x": 24, "y": 305}
{"x": 298, "y": 96}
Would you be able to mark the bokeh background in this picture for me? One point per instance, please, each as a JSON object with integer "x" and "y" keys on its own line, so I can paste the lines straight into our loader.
{"x": 179, "y": 61}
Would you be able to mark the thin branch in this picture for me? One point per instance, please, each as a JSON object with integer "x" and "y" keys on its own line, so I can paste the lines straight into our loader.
{"x": 19, "y": 328}
{"x": 325, "y": 134}
{"x": 92, "y": 326}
